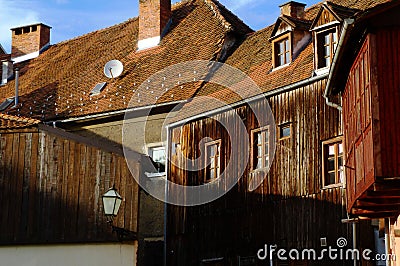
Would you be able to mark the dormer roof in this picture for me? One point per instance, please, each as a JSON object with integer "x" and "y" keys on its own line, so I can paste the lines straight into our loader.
{"x": 330, "y": 13}
{"x": 287, "y": 23}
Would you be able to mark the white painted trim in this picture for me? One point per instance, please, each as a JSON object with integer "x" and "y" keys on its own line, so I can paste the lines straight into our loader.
{"x": 321, "y": 71}
{"x": 330, "y": 24}
{"x": 148, "y": 43}
{"x": 30, "y": 56}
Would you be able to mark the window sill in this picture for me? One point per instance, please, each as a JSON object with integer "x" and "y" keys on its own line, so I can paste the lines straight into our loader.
{"x": 322, "y": 71}
{"x": 155, "y": 175}
{"x": 280, "y": 67}
{"x": 333, "y": 186}
{"x": 256, "y": 171}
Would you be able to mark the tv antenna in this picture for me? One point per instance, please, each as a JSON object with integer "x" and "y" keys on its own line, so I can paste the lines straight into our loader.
{"x": 113, "y": 69}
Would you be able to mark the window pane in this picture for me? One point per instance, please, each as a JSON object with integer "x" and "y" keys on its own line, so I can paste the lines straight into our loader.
{"x": 287, "y": 58}
{"x": 327, "y": 39}
{"x": 331, "y": 149}
{"x": 259, "y": 151}
{"x": 340, "y": 148}
{"x": 212, "y": 174}
{"x": 327, "y": 51}
{"x": 259, "y": 163}
{"x": 287, "y": 45}
{"x": 330, "y": 179}
{"x": 281, "y": 47}
{"x": 331, "y": 164}
{"x": 327, "y": 61}
{"x": 281, "y": 59}
{"x": 259, "y": 138}
{"x": 340, "y": 161}
{"x": 285, "y": 131}
{"x": 158, "y": 155}
{"x": 212, "y": 162}
{"x": 211, "y": 150}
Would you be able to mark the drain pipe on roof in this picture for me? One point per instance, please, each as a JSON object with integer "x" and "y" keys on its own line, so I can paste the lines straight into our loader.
{"x": 16, "y": 87}
{"x": 347, "y": 23}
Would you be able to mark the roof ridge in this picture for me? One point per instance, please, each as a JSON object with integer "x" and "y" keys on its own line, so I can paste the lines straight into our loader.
{"x": 214, "y": 7}
{"x": 97, "y": 31}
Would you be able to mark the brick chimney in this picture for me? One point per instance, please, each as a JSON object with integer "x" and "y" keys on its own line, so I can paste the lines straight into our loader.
{"x": 154, "y": 18}
{"x": 28, "y": 41}
{"x": 293, "y": 9}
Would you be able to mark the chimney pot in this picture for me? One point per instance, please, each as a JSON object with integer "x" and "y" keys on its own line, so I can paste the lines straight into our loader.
{"x": 293, "y": 9}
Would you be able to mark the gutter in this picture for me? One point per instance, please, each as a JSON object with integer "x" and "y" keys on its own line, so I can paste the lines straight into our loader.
{"x": 113, "y": 113}
{"x": 343, "y": 36}
{"x": 251, "y": 99}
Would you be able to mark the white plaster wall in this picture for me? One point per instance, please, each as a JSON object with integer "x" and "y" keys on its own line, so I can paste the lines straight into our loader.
{"x": 69, "y": 255}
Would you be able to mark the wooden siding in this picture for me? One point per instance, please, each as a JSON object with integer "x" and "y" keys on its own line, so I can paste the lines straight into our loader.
{"x": 389, "y": 99}
{"x": 357, "y": 119}
{"x": 289, "y": 209}
{"x": 371, "y": 123}
{"x": 52, "y": 187}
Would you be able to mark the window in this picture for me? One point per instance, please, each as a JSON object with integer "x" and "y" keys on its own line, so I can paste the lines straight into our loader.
{"x": 285, "y": 131}
{"x": 260, "y": 148}
{"x": 282, "y": 52}
{"x": 213, "y": 160}
{"x": 332, "y": 162}
{"x": 326, "y": 46}
{"x": 158, "y": 156}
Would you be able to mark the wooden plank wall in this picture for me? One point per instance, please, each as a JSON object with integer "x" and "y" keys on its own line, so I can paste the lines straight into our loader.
{"x": 360, "y": 123}
{"x": 51, "y": 190}
{"x": 289, "y": 209}
{"x": 389, "y": 99}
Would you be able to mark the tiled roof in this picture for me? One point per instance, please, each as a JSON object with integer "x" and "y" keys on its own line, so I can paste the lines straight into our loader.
{"x": 15, "y": 122}
{"x": 57, "y": 84}
{"x": 254, "y": 58}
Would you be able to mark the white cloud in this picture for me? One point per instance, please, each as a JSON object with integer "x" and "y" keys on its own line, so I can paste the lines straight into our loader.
{"x": 15, "y": 13}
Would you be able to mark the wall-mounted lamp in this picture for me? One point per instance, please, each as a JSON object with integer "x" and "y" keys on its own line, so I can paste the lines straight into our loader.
{"x": 111, "y": 203}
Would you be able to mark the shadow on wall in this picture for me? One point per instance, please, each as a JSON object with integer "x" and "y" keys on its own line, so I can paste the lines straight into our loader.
{"x": 52, "y": 187}
{"x": 239, "y": 224}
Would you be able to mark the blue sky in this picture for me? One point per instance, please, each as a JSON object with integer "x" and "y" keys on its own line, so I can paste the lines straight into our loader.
{"x": 72, "y": 18}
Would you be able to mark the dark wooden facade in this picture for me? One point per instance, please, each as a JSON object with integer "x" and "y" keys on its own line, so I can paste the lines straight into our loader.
{"x": 291, "y": 208}
{"x": 371, "y": 115}
{"x": 52, "y": 186}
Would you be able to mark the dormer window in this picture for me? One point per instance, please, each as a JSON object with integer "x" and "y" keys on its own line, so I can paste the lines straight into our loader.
{"x": 326, "y": 47}
{"x": 325, "y": 28}
{"x": 282, "y": 52}
{"x": 290, "y": 35}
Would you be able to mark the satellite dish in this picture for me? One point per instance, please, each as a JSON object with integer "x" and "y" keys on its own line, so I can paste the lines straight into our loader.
{"x": 113, "y": 69}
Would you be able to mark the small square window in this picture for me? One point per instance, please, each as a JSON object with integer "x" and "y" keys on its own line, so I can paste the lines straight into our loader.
{"x": 34, "y": 28}
{"x": 212, "y": 160}
{"x": 332, "y": 162}
{"x": 285, "y": 130}
{"x": 157, "y": 154}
